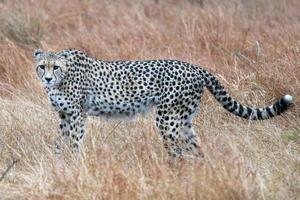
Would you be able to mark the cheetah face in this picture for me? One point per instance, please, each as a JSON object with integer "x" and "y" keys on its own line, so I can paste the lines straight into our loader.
{"x": 50, "y": 67}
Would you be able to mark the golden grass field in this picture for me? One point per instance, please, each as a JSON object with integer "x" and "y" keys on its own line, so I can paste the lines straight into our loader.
{"x": 253, "y": 47}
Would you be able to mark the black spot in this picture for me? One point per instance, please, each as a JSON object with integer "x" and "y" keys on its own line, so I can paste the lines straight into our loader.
{"x": 241, "y": 110}
{"x": 222, "y": 92}
{"x": 269, "y": 112}
{"x": 259, "y": 114}
{"x": 249, "y": 111}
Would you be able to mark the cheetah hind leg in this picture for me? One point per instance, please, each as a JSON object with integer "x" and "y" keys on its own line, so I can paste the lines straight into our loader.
{"x": 169, "y": 134}
{"x": 188, "y": 140}
{"x": 178, "y": 136}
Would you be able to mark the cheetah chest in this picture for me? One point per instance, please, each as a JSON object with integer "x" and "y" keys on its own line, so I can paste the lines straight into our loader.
{"x": 59, "y": 101}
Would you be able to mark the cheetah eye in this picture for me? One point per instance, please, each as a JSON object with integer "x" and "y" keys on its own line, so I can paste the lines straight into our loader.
{"x": 55, "y": 67}
{"x": 42, "y": 67}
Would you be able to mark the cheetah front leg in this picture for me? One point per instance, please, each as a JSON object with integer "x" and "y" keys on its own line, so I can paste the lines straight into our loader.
{"x": 72, "y": 128}
{"x": 77, "y": 130}
{"x": 63, "y": 135}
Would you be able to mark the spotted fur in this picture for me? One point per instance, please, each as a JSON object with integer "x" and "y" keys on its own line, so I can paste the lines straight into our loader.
{"x": 79, "y": 85}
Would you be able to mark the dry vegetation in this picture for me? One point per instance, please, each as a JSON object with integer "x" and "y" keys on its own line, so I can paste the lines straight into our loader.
{"x": 253, "y": 47}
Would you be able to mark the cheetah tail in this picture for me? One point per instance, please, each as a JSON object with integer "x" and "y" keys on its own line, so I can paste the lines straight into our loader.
{"x": 246, "y": 112}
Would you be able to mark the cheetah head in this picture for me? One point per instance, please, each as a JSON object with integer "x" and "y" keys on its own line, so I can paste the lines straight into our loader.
{"x": 50, "y": 67}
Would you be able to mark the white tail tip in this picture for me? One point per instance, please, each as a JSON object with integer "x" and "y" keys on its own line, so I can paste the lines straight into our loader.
{"x": 288, "y": 98}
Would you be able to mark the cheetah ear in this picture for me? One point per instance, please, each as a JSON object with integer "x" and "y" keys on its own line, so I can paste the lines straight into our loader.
{"x": 63, "y": 55}
{"x": 37, "y": 53}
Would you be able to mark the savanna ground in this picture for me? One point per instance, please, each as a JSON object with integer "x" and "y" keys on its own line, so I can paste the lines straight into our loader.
{"x": 252, "y": 46}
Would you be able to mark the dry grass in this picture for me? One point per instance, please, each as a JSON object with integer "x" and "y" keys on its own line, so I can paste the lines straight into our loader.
{"x": 253, "y": 47}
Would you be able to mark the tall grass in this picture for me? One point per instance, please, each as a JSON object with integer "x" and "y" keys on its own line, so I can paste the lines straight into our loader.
{"x": 252, "y": 46}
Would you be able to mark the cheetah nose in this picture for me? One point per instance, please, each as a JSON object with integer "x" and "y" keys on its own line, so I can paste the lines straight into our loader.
{"x": 48, "y": 79}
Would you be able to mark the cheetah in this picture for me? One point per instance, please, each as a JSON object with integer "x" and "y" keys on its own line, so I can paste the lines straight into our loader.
{"x": 79, "y": 85}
